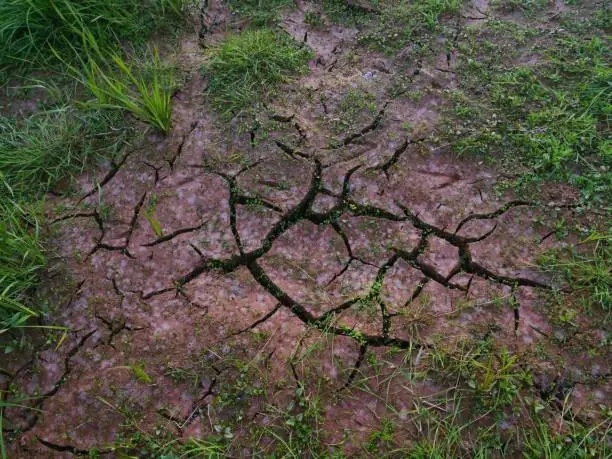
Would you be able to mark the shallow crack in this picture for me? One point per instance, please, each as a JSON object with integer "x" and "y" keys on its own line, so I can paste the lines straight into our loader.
{"x": 93, "y": 214}
{"x": 396, "y": 156}
{"x": 282, "y": 118}
{"x": 124, "y": 247}
{"x": 360, "y": 358}
{"x": 497, "y": 213}
{"x": 38, "y": 405}
{"x": 115, "y": 327}
{"x": 181, "y": 145}
{"x": 71, "y": 449}
{"x": 291, "y": 152}
{"x": 155, "y": 169}
{"x": 370, "y": 127}
{"x": 174, "y": 234}
{"x": 108, "y": 177}
{"x": 258, "y": 322}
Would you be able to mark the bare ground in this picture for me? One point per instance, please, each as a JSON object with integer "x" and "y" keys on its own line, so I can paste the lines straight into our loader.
{"x": 310, "y": 253}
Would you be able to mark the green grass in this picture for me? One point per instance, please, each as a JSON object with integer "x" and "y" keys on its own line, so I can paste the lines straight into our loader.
{"x": 21, "y": 260}
{"x": 549, "y": 120}
{"x": 117, "y": 83}
{"x": 259, "y": 12}
{"x": 31, "y": 29}
{"x": 340, "y": 12}
{"x": 247, "y": 69}
{"x": 526, "y": 6}
{"x": 585, "y": 273}
{"x": 543, "y": 443}
{"x": 401, "y": 22}
{"x": 36, "y": 154}
{"x": 56, "y": 143}
{"x": 45, "y": 148}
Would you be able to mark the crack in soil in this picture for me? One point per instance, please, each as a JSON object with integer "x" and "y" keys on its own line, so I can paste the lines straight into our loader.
{"x": 395, "y": 157}
{"x": 370, "y": 303}
{"x": 179, "y": 150}
{"x": 258, "y": 322}
{"x": 303, "y": 211}
{"x": 37, "y": 406}
{"x": 115, "y": 167}
{"x": 124, "y": 247}
{"x": 365, "y": 130}
{"x": 174, "y": 234}
{"x": 72, "y": 449}
{"x": 355, "y": 370}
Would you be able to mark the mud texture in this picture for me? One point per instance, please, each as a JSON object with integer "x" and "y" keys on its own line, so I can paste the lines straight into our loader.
{"x": 216, "y": 245}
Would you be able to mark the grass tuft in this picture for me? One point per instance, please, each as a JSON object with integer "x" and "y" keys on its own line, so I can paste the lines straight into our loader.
{"x": 41, "y": 150}
{"x": 587, "y": 273}
{"x": 36, "y": 154}
{"x": 21, "y": 259}
{"x": 119, "y": 85}
{"x": 247, "y": 68}
{"x": 259, "y": 12}
{"x": 30, "y": 29}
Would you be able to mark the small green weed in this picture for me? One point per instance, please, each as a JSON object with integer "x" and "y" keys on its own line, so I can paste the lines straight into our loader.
{"x": 298, "y": 432}
{"x": 151, "y": 216}
{"x": 543, "y": 443}
{"x": 400, "y": 22}
{"x": 341, "y": 12}
{"x": 382, "y": 438}
{"x": 526, "y": 6}
{"x": 492, "y": 375}
{"x": 313, "y": 19}
{"x": 354, "y": 103}
{"x": 140, "y": 374}
{"x": 211, "y": 448}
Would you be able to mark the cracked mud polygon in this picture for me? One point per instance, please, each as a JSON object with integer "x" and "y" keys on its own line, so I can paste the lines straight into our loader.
{"x": 311, "y": 252}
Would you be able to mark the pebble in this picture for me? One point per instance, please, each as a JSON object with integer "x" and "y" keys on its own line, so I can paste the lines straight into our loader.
{"x": 369, "y": 75}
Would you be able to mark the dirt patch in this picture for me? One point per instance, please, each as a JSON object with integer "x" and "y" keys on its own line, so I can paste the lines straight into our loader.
{"x": 318, "y": 255}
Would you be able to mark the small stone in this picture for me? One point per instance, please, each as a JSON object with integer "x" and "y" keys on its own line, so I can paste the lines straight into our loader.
{"x": 369, "y": 75}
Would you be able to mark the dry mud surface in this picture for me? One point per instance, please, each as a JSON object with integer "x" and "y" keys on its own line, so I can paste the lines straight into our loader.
{"x": 300, "y": 252}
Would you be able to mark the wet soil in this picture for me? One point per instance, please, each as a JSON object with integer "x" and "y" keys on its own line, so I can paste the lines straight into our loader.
{"x": 296, "y": 245}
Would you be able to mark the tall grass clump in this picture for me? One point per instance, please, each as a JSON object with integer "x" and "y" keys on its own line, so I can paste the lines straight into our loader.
{"x": 35, "y": 154}
{"x": 30, "y": 29}
{"x": 47, "y": 147}
{"x": 21, "y": 260}
{"x": 247, "y": 68}
{"x": 87, "y": 37}
{"x": 118, "y": 84}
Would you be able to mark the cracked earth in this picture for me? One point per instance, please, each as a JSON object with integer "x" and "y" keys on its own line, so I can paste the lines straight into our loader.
{"x": 186, "y": 251}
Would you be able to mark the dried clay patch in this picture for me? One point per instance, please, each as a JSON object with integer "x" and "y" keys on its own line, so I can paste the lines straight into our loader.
{"x": 211, "y": 273}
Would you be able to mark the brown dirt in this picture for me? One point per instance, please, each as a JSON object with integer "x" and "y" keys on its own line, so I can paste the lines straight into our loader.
{"x": 280, "y": 243}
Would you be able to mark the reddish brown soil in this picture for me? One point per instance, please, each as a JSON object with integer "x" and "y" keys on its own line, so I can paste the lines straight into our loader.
{"x": 384, "y": 239}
